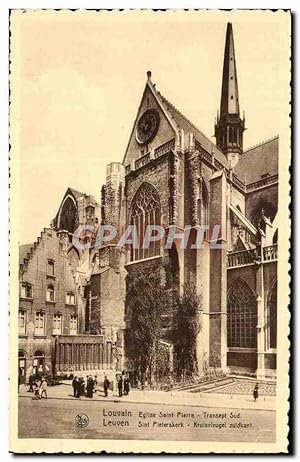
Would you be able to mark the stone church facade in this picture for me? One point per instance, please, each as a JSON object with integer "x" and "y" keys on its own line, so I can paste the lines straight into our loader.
{"x": 173, "y": 175}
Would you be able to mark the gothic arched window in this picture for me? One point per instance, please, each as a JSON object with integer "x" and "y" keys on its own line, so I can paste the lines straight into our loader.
{"x": 241, "y": 316}
{"x": 145, "y": 210}
{"x": 68, "y": 215}
{"x": 272, "y": 318}
{"x": 73, "y": 258}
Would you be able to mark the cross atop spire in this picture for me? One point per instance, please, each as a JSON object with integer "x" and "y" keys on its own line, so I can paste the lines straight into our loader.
{"x": 229, "y": 127}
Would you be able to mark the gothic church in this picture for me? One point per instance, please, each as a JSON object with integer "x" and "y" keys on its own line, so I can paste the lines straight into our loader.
{"x": 171, "y": 174}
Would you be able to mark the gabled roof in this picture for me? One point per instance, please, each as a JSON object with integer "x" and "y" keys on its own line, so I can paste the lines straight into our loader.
{"x": 258, "y": 161}
{"x": 76, "y": 193}
{"x": 183, "y": 122}
{"x": 152, "y": 87}
{"x": 179, "y": 121}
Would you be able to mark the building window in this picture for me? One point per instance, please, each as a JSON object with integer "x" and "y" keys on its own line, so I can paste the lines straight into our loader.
{"x": 57, "y": 324}
{"x": 272, "y": 318}
{"x": 50, "y": 268}
{"x": 90, "y": 211}
{"x": 241, "y": 316}
{"x": 38, "y": 363}
{"x": 73, "y": 324}
{"x": 233, "y": 135}
{"x": 39, "y": 325}
{"x": 145, "y": 210}
{"x": 70, "y": 298}
{"x": 26, "y": 290}
{"x": 50, "y": 293}
{"x": 22, "y": 322}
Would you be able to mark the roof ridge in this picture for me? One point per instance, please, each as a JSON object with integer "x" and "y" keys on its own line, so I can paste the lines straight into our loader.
{"x": 187, "y": 119}
{"x": 261, "y": 143}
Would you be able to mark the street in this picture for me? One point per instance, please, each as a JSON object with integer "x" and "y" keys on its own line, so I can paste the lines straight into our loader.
{"x": 59, "y": 418}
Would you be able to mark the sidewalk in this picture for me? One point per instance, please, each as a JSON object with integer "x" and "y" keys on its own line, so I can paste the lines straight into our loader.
{"x": 176, "y": 398}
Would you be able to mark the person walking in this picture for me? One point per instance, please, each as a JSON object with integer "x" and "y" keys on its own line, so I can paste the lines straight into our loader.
{"x": 106, "y": 384}
{"x": 75, "y": 387}
{"x": 255, "y": 392}
{"x": 44, "y": 387}
{"x": 30, "y": 384}
{"x": 126, "y": 385}
{"x": 120, "y": 386}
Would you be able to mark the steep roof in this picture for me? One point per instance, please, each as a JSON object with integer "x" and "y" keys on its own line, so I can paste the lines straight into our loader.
{"x": 258, "y": 161}
{"x": 76, "y": 193}
{"x": 183, "y": 122}
{"x": 23, "y": 251}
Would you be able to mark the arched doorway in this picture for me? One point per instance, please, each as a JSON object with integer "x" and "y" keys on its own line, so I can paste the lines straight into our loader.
{"x": 22, "y": 367}
{"x": 38, "y": 363}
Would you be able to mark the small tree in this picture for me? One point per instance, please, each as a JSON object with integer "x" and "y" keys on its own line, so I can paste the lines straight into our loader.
{"x": 147, "y": 300}
{"x": 186, "y": 329}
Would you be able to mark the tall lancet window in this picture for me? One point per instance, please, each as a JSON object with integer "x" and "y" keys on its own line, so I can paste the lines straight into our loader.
{"x": 145, "y": 210}
{"x": 241, "y": 316}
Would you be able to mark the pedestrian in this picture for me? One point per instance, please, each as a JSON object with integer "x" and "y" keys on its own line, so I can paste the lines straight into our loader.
{"x": 95, "y": 383}
{"x": 106, "y": 384}
{"x": 43, "y": 387}
{"x": 82, "y": 386}
{"x": 255, "y": 392}
{"x": 120, "y": 385}
{"x": 78, "y": 388}
{"x": 30, "y": 384}
{"x": 89, "y": 387}
{"x": 38, "y": 390}
{"x": 126, "y": 385}
{"x": 75, "y": 387}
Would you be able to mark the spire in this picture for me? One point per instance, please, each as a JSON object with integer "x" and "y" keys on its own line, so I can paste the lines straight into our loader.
{"x": 230, "y": 93}
{"x": 229, "y": 128}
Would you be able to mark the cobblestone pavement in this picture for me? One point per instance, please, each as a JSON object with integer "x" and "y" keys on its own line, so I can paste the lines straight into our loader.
{"x": 215, "y": 399}
{"x": 245, "y": 388}
{"x": 54, "y": 418}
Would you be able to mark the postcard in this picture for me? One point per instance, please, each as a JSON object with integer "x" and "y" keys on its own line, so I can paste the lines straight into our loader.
{"x": 149, "y": 231}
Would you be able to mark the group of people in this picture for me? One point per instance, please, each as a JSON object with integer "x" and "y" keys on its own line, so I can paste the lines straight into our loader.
{"x": 38, "y": 386}
{"x": 88, "y": 387}
{"x": 123, "y": 382}
{"x": 82, "y": 387}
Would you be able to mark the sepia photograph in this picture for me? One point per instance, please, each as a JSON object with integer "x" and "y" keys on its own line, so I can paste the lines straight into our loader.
{"x": 149, "y": 230}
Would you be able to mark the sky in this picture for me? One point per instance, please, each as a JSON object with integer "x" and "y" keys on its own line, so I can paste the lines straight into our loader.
{"x": 77, "y": 79}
